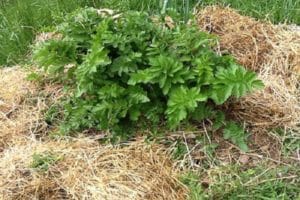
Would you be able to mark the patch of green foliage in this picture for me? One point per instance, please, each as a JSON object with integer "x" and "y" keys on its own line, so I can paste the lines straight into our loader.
{"x": 257, "y": 183}
{"x": 21, "y": 20}
{"x": 233, "y": 182}
{"x": 290, "y": 140}
{"x": 43, "y": 161}
{"x": 192, "y": 181}
{"x": 236, "y": 134}
{"x": 127, "y": 69}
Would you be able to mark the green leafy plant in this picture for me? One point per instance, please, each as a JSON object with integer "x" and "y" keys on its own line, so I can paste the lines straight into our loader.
{"x": 236, "y": 134}
{"x": 128, "y": 68}
{"x": 191, "y": 180}
{"x": 43, "y": 161}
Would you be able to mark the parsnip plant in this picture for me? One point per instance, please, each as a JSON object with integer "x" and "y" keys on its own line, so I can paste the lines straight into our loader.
{"x": 126, "y": 68}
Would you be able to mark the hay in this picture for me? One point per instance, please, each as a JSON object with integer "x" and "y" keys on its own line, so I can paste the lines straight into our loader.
{"x": 13, "y": 88}
{"x": 273, "y": 52}
{"x": 22, "y": 106}
{"x": 45, "y": 36}
{"x": 243, "y": 37}
{"x": 253, "y": 43}
{"x": 275, "y": 106}
{"x": 15, "y": 118}
{"x": 87, "y": 170}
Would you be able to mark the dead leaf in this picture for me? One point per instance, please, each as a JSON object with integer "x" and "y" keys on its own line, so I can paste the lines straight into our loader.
{"x": 244, "y": 159}
{"x": 169, "y": 22}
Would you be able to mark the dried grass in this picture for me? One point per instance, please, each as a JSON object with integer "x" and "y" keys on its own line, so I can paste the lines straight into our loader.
{"x": 45, "y": 36}
{"x": 273, "y": 52}
{"x": 275, "y": 106}
{"x": 22, "y": 106}
{"x": 14, "y": 88}
{"x": 88, "y": 170}
{"x": 243, "y": 37}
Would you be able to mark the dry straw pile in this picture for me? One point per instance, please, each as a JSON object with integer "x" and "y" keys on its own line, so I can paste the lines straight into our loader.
{"x": 16, "y": 119}
{"x": 87, "y": 170}
{"x": 22, "y": 104}
{"x": 273, "y": 52}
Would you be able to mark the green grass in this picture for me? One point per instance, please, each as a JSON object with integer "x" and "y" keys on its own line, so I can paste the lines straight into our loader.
{"x": 234, "y": 182}
{"x": 20, "y": 20}
{"x": 255, "y": 183}
{"x": 277, "y": 11}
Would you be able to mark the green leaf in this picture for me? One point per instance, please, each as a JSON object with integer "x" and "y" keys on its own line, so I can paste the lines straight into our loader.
{"x": 33, "y": 77}
{"x": 202, "y": 112}
{"x": 220, "y": 93}
{"x": 236, "y": 135}
{"x": 164, "y": 70}
{"x": 219, "y": 120}
{"x": 112, "y": 90}
{"x": 181, "y": 101}
{"x": 137, "y": 95}
{"x": 134, "y": 114}
{"x": 243, "y": 146}
{"x": 53, "y": 55}
{"x": 233, "y": 81}
{"x": 204, "y": 69}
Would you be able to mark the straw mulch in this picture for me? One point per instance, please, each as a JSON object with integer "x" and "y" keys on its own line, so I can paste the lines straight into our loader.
{"x": 16, "y": 119}
{"x": 22, "y": 106}
{"x": 273, "y": 52}
{"x": 87, "y": 170}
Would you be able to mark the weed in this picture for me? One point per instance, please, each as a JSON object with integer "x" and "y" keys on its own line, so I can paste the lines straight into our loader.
{"x": 236, "y": 134}
{"x": 180, "y": 150}
{"x": 192, "y": 181}
{"x": 258, "y": 183}
{"x": 43, "y": 161}
{"x": 290, "y": 140}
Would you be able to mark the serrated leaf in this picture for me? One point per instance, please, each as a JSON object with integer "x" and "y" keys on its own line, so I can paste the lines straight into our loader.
{"x": 233, "y": 81}
{"x": 243, "y": 146}
{"x": 219, "y": 120}
{"x": 181, "y": 101}
{"x": 202, "y": 112}
{"x": 137, "y": 95}
{"x": 163, "y": 70}
{"x": 235, "y": 134}
{"x": 221, "y": 93}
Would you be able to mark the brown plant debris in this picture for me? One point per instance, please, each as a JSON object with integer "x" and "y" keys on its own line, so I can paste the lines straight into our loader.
{"x": 21, "y": 106}
{"x": 253, "y": 43}
{"x": 273, "y": 52}
{"x": 86, "y": 170}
